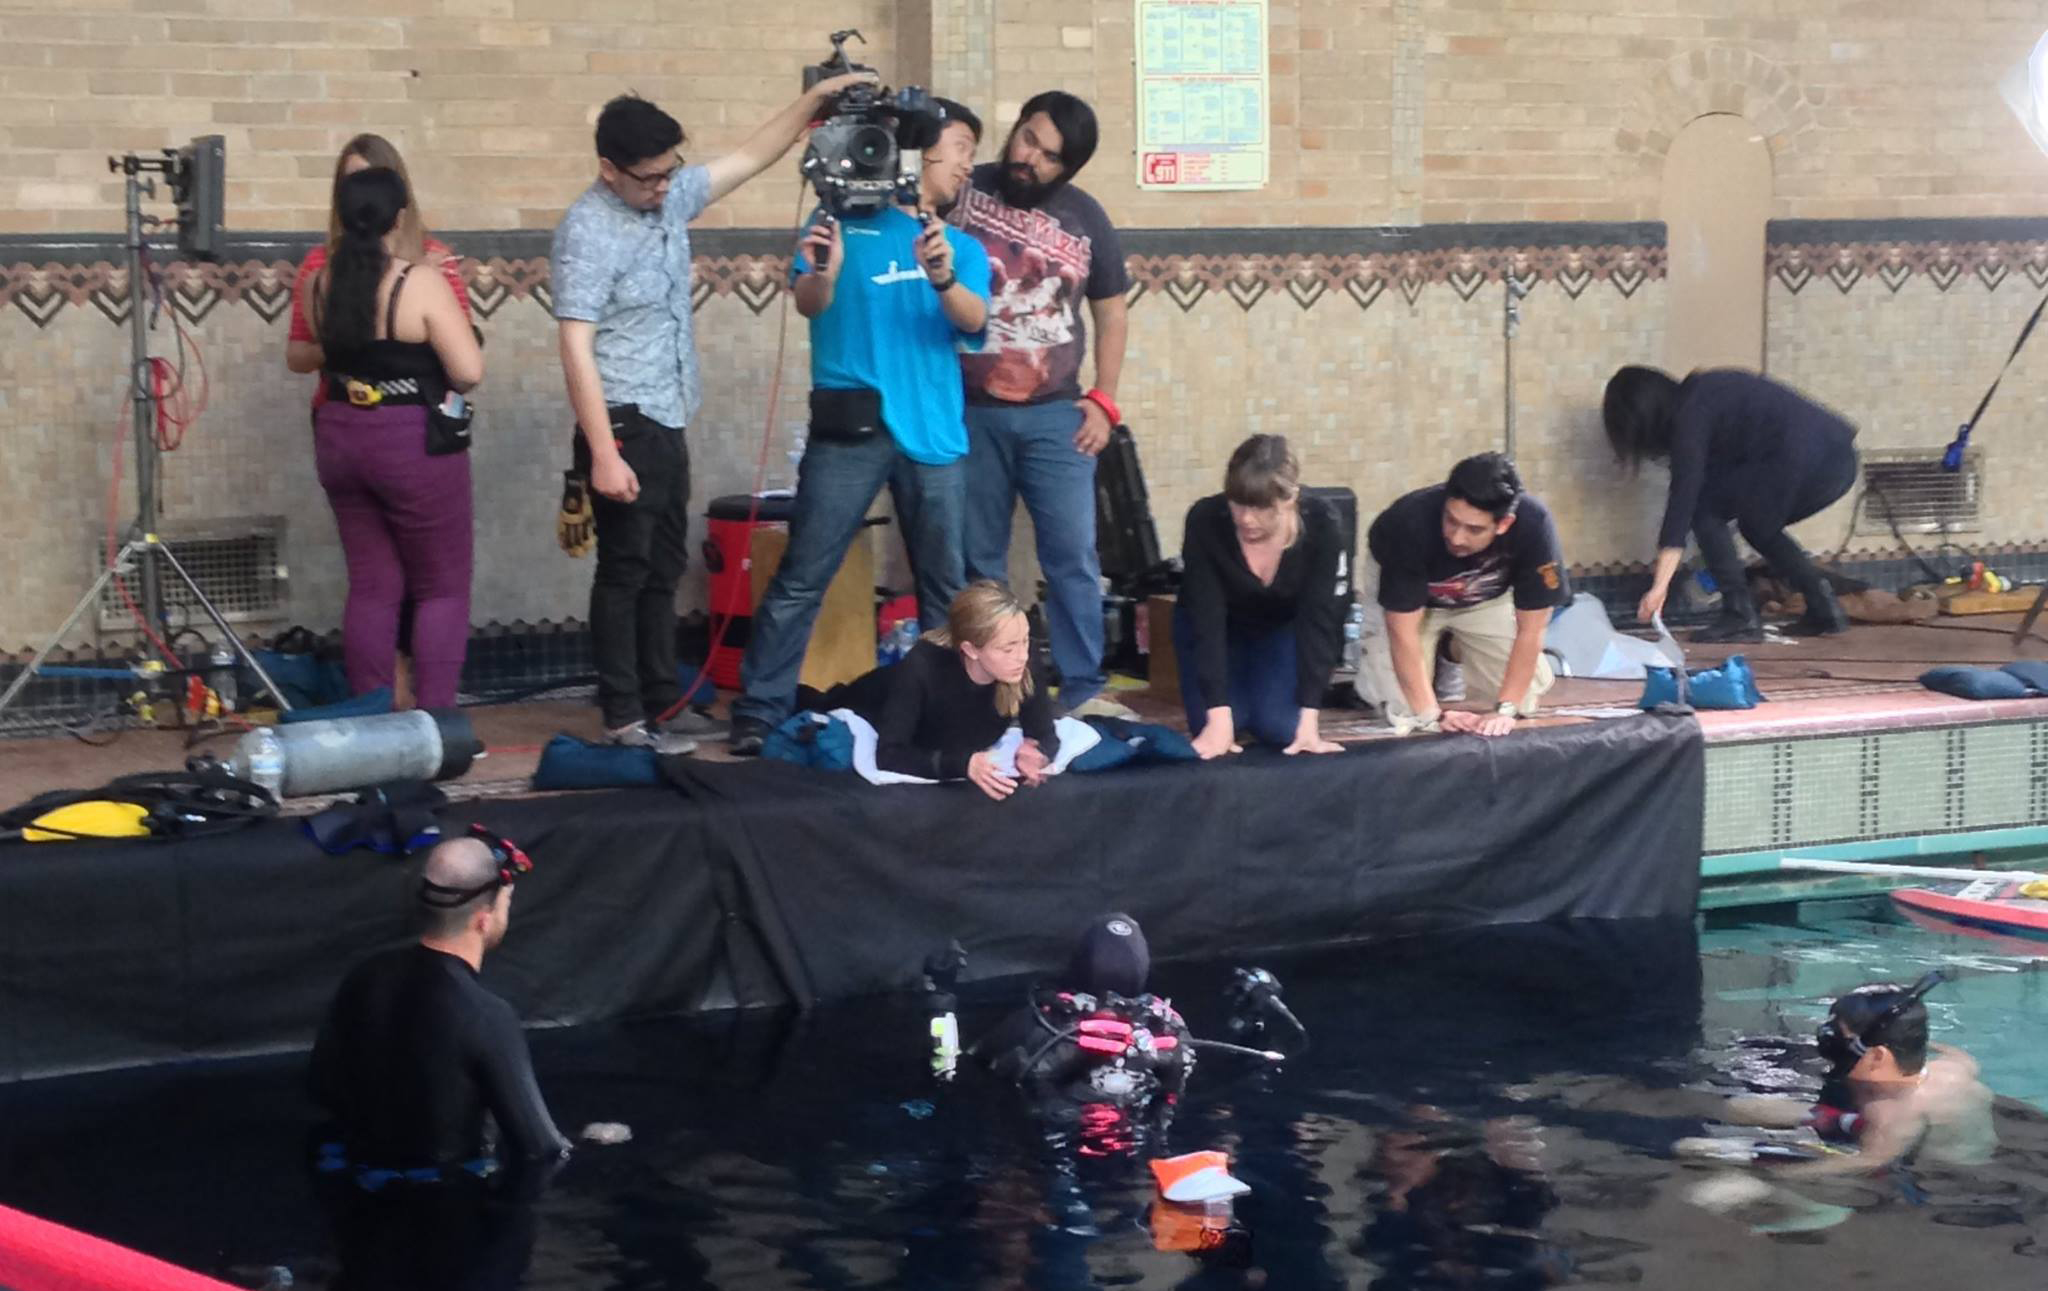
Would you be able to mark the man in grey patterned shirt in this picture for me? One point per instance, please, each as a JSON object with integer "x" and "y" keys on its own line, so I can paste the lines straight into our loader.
{"x": 620, "y": 274}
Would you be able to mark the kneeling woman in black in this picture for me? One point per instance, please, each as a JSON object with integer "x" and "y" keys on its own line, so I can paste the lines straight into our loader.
{"x": 1260, "y": 621}
{"x": 937, "y": 711}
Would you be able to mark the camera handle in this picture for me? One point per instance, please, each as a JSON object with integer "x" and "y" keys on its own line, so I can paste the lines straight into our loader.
{"x": 839, "y": 39}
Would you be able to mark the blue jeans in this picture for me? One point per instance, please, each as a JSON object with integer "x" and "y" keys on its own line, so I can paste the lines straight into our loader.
{"x": 1264, "y": 680}
{"x": 1028, "y": 450}
{"x": 836, "y": 483}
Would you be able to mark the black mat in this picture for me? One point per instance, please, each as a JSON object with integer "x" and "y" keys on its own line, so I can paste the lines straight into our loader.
{"x": 791, "y": 885}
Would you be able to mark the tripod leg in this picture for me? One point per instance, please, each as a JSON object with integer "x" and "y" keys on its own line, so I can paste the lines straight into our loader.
{"x": 85, "y": 603}
{"x": 221, "y": 622}
{"x": 2019, "y": 635}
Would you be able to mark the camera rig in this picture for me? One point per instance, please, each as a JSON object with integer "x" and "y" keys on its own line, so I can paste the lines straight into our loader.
{"x": 864, "y": 156}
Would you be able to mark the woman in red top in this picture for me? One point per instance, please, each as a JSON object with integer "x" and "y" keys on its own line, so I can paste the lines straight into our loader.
{"x": 411, "y": 243}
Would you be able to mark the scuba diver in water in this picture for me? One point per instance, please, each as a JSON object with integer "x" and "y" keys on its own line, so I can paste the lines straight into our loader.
{"x": 1103, "y": 1064}
{"x": 1885, "y": 1105}
{"x": 1889, "y": 1095}
{"x": 1100, "y": 1057}
{"x": 1097, "y": 1049}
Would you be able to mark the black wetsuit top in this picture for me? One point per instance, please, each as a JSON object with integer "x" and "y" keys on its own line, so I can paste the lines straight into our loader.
{"x": 413, "y": 1052}
{"x": 930, "y": 717}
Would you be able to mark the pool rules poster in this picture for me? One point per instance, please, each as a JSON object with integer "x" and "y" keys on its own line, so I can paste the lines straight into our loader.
{"x": 1202, "y": 94}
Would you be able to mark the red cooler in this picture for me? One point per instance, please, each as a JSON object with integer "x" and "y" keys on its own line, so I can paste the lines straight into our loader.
{"x": 728, "y": 547}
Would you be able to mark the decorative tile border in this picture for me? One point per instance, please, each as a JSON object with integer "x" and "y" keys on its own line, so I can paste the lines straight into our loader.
{"x": 1847, "y": 253}
{"x": 1305, "y": 266}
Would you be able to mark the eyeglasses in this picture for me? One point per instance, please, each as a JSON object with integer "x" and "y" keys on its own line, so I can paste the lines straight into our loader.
{"x": 657, "y": 179}
{"x": 513, "y": 865}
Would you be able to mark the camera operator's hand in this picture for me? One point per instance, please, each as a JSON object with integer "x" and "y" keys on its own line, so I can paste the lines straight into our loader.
{"x": 1093, "y": 436}
{"x": 833, "y": 86}
{"x": 987, "y": 777}
{"x": 825, "y": 247}
{"x": 935, "y": 253}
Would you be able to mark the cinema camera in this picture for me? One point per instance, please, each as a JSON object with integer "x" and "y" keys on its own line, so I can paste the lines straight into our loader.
{"x": 865, "y": 154}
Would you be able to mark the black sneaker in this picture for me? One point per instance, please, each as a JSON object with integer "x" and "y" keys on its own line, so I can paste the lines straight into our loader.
{"x": 748, "y": 735}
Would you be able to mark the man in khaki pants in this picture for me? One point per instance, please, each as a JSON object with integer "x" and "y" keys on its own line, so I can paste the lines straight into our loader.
{"x": 1475, "y": 559}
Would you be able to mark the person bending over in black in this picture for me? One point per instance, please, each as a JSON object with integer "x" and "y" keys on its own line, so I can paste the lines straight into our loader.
{"x": 1745, "y": 449}
{"x": 414, "y": 1051}
{"x": 938, "y": 710}
{"x": 1260, "y": 620}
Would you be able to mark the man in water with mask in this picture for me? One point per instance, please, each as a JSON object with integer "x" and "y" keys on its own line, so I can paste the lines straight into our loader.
{"x": 1885, "y": 1097}
{"x": 1033, "y": 431}
{"x": 415, "y": 1051}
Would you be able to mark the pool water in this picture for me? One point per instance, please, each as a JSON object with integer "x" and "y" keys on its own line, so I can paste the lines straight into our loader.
{"x": 1487, "y": 1110}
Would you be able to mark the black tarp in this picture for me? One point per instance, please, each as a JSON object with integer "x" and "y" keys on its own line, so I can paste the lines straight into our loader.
{"x": 853, "y": 884}
{"x": 800, "y": 885}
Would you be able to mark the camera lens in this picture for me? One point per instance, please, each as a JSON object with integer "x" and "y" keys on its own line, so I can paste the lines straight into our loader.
{"x": 872, "y": 150}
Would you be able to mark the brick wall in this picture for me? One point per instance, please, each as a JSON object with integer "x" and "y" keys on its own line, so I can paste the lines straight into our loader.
{"x": 1384, "y": 111}
{"x": 492, "y": 101}
{"x": 1380, "y": 353}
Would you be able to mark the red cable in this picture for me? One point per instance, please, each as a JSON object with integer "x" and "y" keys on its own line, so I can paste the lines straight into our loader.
{"x": 720, "y": 624}
{"x": 170, "y": 656}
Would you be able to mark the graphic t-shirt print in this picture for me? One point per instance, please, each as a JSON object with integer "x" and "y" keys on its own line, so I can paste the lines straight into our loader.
{"x": 1038, "y": 276}
{"x": 1483, "y": 580}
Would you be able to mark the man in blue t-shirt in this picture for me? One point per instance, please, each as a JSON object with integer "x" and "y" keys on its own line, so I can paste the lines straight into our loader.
{"x": 892, "y": 298}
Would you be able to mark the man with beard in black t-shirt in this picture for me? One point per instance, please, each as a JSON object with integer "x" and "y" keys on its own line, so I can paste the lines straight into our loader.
{"x": 1475, "y": 559}
{"x": 1033, "y": 431}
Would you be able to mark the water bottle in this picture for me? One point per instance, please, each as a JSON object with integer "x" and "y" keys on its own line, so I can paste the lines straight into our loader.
{"x": 945, "y": 1029}
{"x": 220, "y": 675}
{"x": 1354, "y": 633}
{"x": 901, "y": 638}
{"x": 260, "y": 757}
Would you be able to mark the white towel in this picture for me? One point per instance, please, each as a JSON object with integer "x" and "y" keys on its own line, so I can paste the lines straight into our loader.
{"x": 1076, "y": 738}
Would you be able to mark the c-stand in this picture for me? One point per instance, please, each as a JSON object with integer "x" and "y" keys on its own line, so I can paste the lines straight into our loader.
{"x": 144, "y": 547}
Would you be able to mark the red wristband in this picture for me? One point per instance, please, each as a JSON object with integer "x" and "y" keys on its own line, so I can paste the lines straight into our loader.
{"x": 1107, "y": 404}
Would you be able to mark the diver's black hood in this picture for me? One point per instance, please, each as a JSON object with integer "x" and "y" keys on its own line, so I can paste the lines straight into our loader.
{"x": 1112, "y": 958}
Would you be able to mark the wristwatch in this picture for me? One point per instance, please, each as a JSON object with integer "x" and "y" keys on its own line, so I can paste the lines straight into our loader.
{"x": 1507, "y": 709}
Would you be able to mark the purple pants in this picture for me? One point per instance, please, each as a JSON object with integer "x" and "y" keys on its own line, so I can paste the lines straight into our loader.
{"x": 406, "y": 532}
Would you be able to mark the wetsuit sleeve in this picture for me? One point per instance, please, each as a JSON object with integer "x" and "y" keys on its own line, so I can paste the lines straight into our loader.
{"x": 902, "y": 713}
{"x": 1173, "y": 1072}
{"x": 504, "y": 1071}
{"x": 1202, "y": 594}
{"x": 1319, "y": 634}
{"x": 1689, "y": 442}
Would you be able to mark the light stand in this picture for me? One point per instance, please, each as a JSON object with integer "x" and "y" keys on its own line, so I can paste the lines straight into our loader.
{"x": 143, "y": 547}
